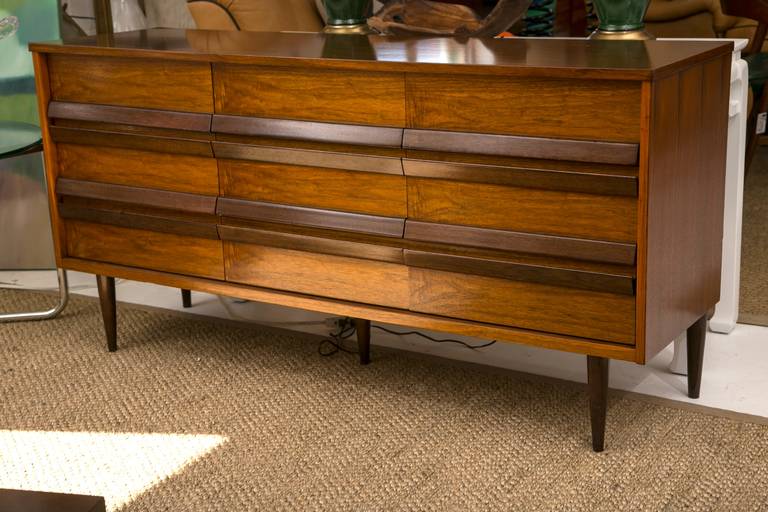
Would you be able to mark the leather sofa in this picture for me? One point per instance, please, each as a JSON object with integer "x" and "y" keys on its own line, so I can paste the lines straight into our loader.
{"x": 257, "y": 15}
{"x": 695, "y": 18}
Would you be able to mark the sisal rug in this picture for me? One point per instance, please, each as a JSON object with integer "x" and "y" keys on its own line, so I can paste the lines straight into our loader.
{"x": 753, "y": 300}
{"x": 305, "y": 432}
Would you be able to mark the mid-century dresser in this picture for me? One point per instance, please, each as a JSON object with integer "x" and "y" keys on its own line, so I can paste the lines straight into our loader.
{"x": 566, "y": 194}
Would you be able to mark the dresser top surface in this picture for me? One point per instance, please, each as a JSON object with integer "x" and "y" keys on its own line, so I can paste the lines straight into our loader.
{"x": 566, "y": 58}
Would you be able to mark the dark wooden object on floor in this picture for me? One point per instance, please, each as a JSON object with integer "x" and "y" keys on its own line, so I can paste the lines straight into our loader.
{"x": 597, "y": 378}
{"x": 186, "y": 298}
{"x": 363, "y": 328}
{"x": 14, "y": 500}
{"x": 106, "y": 286}
{"x": 312, "y": 171}
{"x": 696, "y": 336}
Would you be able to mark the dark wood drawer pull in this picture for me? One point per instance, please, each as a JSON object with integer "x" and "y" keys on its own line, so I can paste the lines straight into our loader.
{"x": 546, "y": 245}
{"x": 309, "y": 131}
{"x": 523, "y": 147}
{"x": 129, "y": 141}
{"x": 135, "y": 195}
{"x": 347, "y": 161}
{"x": 572, "y": 278}
{"x": 140, "y": 221}
{"x": 312, "y": 244}
{"x": 302, "y": 216}
{"x": 152, "y": 118}
{"x": 569, "y": 181}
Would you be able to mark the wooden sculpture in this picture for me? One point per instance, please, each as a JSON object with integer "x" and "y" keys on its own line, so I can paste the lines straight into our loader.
{"x": 400, "y": 17}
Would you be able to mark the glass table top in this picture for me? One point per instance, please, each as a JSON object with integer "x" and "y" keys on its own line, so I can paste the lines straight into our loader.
{"x": 17, "y": 137}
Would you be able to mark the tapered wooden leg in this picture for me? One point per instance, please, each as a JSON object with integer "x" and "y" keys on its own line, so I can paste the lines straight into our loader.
{"x": 363, "y": 328}
{"x": 597, "y": 377}
{"x": 696, "y": 335}
{"x": 186, "y": 298}
{"x": 106, "y": 286}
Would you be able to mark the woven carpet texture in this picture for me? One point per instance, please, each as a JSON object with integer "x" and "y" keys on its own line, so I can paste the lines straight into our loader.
{"x": 753, "y": 301}
{"x": 305, "y": 432}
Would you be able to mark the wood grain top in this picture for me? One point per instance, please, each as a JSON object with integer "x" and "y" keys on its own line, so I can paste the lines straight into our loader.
{"x": 564, "y": 58}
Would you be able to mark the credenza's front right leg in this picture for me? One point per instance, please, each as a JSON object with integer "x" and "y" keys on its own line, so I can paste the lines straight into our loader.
{"x": 597, "y": 380}
{"x": 363, "y": 328}
{"x": 106, "y": 286}
{"x": 186, "y": 298}
{"x": 695, "y": 337}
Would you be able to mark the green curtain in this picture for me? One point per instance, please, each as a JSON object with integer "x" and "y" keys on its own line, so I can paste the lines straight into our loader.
{"x": 38, "y": 21}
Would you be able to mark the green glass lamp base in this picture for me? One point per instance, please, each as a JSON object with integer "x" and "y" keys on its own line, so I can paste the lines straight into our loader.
{"x": 621, "y": 35}
{"x": 358, "y": 28}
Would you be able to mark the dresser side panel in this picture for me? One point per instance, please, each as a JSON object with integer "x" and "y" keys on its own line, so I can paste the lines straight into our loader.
{"x": 686, "y": 187}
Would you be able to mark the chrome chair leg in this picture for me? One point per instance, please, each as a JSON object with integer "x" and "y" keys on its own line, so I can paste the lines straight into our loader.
{"x": 48, "y": 314}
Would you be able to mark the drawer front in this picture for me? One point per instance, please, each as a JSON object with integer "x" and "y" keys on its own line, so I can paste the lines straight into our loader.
{"x": 529, "y": 210}
{"x": 338, "y": 277}
{"x": 141, "y": 83}
{"x": 147, "y": 169}
{"x": 569, "y": 311}
{"x": 164, "y": 252}
{"x": 324, "y": 188}
{"x": 571, "y": 109}
{"x": 354, "y": 97}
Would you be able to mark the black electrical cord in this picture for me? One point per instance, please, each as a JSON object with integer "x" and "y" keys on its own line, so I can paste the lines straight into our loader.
{"x": 436, "y": 340}
{"x": 335, "y": 342}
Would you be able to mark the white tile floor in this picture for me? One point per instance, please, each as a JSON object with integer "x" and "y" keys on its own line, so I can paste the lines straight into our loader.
{"x": 735, "y": 367}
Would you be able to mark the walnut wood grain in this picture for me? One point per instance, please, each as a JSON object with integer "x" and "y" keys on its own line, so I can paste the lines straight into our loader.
{"x": 148, "y": 169}
{"x": 334, "y": 160}
{"x": 619, "y": 284}
{"x": 187, "y": 121}
{"x": 527, "y": 177}
{"x": 137, "y": 209}
{"x": 136, "y": 195}
{"x": 367, "y": 98}
{"x": 132, "y": 82}
{"x": 130, "y": 141}
{"x": 315, "y": 187}
{"x": 308, "y": 131}
{"x": 358, "y": 280}
{"x": 539, "y": 57}
{"x": 556, "y": 309}
{"x": 524, "y": 147}
{"x": 485, "y": 253}
{"x": 43, "y": 91}
{"x": 536, "y": 107}
{"x": 314, "y": 244}
{"x": 299, "y": 215}
{"x": 133, "y": 129}
{"x": 144, "y": 249}
{"x": 685, "y": 200}
{"x": 571, "y": 214}
{"x": 358, "y": 310}
{"x": 577, "y": 248}
{"x": 140, "y": 221}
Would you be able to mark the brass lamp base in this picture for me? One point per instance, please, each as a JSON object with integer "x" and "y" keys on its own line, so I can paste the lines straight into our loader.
{"x": 360, "y": 28}
{"x": 621, "y": 35}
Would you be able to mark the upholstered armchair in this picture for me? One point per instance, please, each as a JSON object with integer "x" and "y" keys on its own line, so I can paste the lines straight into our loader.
{"x": 695, "y": 18}
{"x": 256, "y": 15}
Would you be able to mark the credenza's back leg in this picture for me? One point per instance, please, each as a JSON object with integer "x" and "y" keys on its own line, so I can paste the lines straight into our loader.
{"x": 363, "y": 328}
{"x": 597, "y": 378}
{"x": 106, "y": 286}
{"x": 696, "y": 335}
{"x": 186, "y": 298}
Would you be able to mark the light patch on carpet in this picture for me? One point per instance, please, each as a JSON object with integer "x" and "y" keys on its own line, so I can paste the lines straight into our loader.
{"x": 118, "y": 466}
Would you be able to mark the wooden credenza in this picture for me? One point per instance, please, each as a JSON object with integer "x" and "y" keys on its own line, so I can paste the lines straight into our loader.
{"x": 561, "y": 193}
